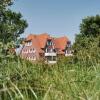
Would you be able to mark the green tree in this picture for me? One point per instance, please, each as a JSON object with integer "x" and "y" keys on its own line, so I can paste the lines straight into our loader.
{"x": 90, "y": 26}
{"x": 5, "y": 3}
{"x": 87, "y": 42}
{"x": 11, "y": 25}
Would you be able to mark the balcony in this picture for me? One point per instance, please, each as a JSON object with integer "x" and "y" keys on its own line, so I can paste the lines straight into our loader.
{"x": 51, "y": 62}
{"x": 50, "y": 54}
{"x": 68, "y": 54}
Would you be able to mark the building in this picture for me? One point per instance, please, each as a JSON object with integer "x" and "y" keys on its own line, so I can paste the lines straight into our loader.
{"x": 43, "y": 46}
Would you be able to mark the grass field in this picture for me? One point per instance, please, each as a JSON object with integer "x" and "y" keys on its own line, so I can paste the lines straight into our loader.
{"x": 22, "y": 80}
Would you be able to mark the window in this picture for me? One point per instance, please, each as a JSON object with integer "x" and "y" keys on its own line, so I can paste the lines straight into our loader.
{"x": 32, "y": 50}
{"x": 49, "y": 50}
{"x": 27, "y": 57}
{"x": 54, "y": 58}
{"x": 69, "y": 44}
{"x": 49, "y": 43}
{"x": 28, "y": 43}
{"x": 25, "y": 51}
{"x": 68, "y": 51}
{"x": 49, "y": 58}
{"x": 33, "y": 58}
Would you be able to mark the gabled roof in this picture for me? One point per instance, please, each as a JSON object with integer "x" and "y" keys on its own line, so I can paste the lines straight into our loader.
{"x": 61, "y": 42}
{"x": 39, "y": 42}
{"x": 42, "y": 39}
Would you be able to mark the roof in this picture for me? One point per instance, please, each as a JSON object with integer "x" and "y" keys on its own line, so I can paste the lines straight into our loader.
{"x": 39, "y": 42}
{"x": 61, "y": 42}
{"x": 42, "y": 39}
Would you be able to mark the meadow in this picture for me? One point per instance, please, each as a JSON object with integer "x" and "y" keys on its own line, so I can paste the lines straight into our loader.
{"x": 66, "y": 80}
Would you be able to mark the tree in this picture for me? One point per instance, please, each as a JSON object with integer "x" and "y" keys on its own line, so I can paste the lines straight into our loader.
{"x": 90, "y": 26}
{"x": 11, "y": 25}
{"x": 87, "y": 42}
{"x": 89, "y": 31}
{"x": 5, "y": 3}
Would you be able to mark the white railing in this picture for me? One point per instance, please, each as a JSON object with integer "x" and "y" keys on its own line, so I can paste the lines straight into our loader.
{"x": 28, "y": 44}
{"x": 66, "y": 54}
{"x": 51, "y": 62}
{"x": 50, "y": 54}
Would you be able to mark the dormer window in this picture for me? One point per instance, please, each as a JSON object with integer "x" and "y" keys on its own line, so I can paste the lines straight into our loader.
{"x": 68, "y": 52}
{"x": 69, "y": 44}
{"x": 28, "y": 43}
{"x": 49, "y": 47}
{"x": 49, "y": 43}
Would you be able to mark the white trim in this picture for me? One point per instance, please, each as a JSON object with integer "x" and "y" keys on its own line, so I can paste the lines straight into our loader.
{"x": 68, "y": 54}
{"x": 28, "y": 43}
{"x": 52, "y": 62}
{"x": 51, "y": 54}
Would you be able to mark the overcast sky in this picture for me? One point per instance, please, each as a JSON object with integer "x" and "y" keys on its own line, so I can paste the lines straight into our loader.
{"x": 56, "y": 17}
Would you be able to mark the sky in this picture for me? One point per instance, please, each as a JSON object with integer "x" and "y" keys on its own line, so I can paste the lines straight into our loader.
{"x": 55, "y": 17}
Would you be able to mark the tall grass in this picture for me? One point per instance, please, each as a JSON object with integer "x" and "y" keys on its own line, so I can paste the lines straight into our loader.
{"x": 66, "y": 80}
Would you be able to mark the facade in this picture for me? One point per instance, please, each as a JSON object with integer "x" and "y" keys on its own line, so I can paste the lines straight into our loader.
{"x": 43, "y": 46}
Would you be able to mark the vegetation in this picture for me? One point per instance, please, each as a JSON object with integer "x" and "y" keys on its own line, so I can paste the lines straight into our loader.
{"x": 72, "y": 78}
{"x": 90, "y": 26}
{"x": 22, "y": 80}
{"x": 11, "y": 26}
{"x": 87, "y": 43}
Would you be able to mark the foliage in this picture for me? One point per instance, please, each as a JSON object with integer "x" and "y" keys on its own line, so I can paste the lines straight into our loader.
{"x": 90, "y": 26}
{"x": 87, "y": 43}
{"x": 11, "y": 26}
{"x": 22, "y": 80}
{"x": 5, "y": 3}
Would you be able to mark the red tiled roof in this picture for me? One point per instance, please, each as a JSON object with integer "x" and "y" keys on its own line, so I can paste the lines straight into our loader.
{"x": 39, "y": 42}
{"x": 61, "y": 42}
{"x": 42, "y": 39}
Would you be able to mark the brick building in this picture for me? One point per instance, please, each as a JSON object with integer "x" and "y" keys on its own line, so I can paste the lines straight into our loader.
{"x": 43, "y": 46}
